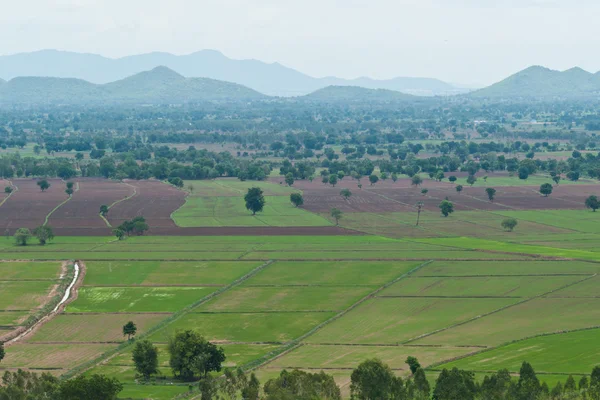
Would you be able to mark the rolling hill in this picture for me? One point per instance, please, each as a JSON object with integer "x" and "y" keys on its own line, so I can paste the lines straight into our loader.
{"x": 270, "y": 78}
{"x": 332, "y": 94}
{"x": 158, "y": 86}
{"x": 543, "y": 83}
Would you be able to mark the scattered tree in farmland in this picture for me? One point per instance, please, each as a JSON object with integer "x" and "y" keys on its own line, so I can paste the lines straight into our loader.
{"x": 439, "y": 176}
{"x": 523, "y": 173}
{"x": 556, "y": 179}
{"x": 43, "y": 184}
{"x": 145, "y": 358}
{"x": 325, "y": 179}
{"x": 296, "y": 199}
{"x": 129, "y": 330}
{"x": 333, "y": 180}
{"x": 424, "y": 191}
{"x": 394, "y": 177}
{"x": 546, "y": 189}
{"x": 452, "y": 178}
{"x": 43, "y": 234}
{"x": 176, "y": 181}
{"x": 413, "y": 364}
{"x": 8, "y": 189}
{"x": 373, "y": 179}
{"x": 384, "y": 176}
{"x": 255, "y": 201}
{"x": 192, "y": 355}
{"x": 336, "y": 214}
{"x": 471, "y": 180}
{"x": 509, "y": 224}
{"x": 459, "y": 188}
{"x": 592, "y": 203}
{"x": 419, "y": 209}
{"x": 491, "y": 193}
{"x": 22, "y": 236}
{"x": 345, "y": 193}
{"x": 191, "y": 188}
{"x": 373, "y": 379}
{"x": 69, "y": 190}
{"x": 446, "y": 207}
{"x": 302, "y": 385}
{"x": 103, "y": 210}
{"x": 289, "y": 179}
{"x": 416, "y": 180}
{"x": 119, "y": 233}
{"x": 2, "y": 351}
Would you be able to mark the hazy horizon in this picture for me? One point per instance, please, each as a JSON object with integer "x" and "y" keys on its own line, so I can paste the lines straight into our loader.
{"x": 458, "y": 41}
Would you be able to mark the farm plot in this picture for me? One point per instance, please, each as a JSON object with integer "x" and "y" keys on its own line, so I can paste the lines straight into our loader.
{"x": 393, "y": 321}
{"x": 573, "y": 352}
{"x": 507, "y": 268}
{"x": 154, "y": 200}
{"x": 82, "y": 211}
{"x": 28, "y": 206}
{"x": 534, "y": 317}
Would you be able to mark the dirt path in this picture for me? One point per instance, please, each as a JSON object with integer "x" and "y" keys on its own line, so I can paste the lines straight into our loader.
{"x": 69, "y": 296}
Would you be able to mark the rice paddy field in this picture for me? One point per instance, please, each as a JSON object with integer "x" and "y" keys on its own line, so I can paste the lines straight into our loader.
{"x": 456, "y": 291}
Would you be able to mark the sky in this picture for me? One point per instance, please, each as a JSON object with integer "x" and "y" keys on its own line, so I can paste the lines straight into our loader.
{"x": 473, "y": 42}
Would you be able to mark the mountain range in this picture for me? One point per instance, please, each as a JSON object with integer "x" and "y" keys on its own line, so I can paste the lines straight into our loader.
{"x": 272, "y": 79}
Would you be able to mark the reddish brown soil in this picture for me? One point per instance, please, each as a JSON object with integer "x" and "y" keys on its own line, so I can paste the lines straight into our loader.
{"x": 154, "y": 200}
{"x": 28, "y": 207}
{"x": 82, "y": 211}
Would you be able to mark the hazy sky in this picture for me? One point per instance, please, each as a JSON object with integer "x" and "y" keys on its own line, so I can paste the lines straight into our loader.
{"x": 466, "y": 41}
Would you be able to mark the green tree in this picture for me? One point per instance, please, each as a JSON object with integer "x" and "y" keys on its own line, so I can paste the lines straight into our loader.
{"x": 509, "y": 224}
{"x": 556, "y": 179}
{"x": 43, "y": 184}
{"x": 421, "y": 385}
{"x": 22, "y": 236}
{"x": 594, "y": 390}
{"x": 546, "y": 189}
{"x": 192, "y": 355}
{"x": 498, "y": 386}
{"x": 570, "y": 385}
{"x": 373, "y": 379}
{"x": 333, "y": 180}
{"x": 289, "y": 179}
{"x": 523, "y": 173}
{"x": 94, "y": 387}
{"x": 145, "y": 358}
{"x": 592, "y": 202}
{"x": 251, "y": 389}
{"x": 413, "y": 364}
{"x": 119, "y": 233}
{"x": 471, "y": 180}
{"x": 345, "y": 193}
{"x": 446, "y": 207}
{"x": 255, "y": 201}
{"x": 373, "y": 179}
{"x": 416, "y": 180}
{"x": 419, "y": 210}
{"x": 8, "y": 189}
{"x": 43, "y": 234}
{"x": 424, "y": 191}
{"x": 528, "y": 386}
{"x": 459, "y": 188}
{"x": 491, "y": 193}
{"x": 583, "y": 383}
{"x": 439, "y": 176}
{"x": 300, "y": 385}
{"x": 129, "y": 329}
{"x": 455, "y": 384}
{"x": 103, "y": 210}
{"x": 452, "y": 178}
{"x": 296, "y": 199}
{"x": 209, "y": 387}
{"x": 336, "y": 214}
{"x": 2, "y": 351}
{"x": 394, "y": 177}
{"x": 25, "y": 385}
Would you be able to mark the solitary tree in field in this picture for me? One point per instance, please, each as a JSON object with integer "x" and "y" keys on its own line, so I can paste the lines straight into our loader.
{"x": 43, "y": 184}
{"x": 22, "y": 236}
{"x": 345, "y": 193}
{"x": 446, "y": 207}
{"x": 191, "y": 188}
{"x": 491, "y": 193}
{"x": 416, "y": 180}
{"x": 255, "y": 201}
{"x": 296, "y": 199}
{"x": 104, "y": 210}
{"x": 556, "y": 179}
{"x": 69, "y": 190}
{"x": 373, "y": 179}
{"x": 145, "y": 358}
{"x": 471, "y": 180}
{"x": 8, "y": 189}
{"x": 413, "y": 364}
{"x": 592, "y": 202}
{"x": 289, "y": 179}
{"x": 336, "y": 214}
{"x": 459, "y": 188}
{"x": 419, "y": 209}
{"x": 43, "y": 234}
{"x": 546, "y": 189}
{"x": 509, "y": 224}
{"x": 129, "y": 330}
{"x": 333, "y": 180}
{"x": 452, "y": 178}
{"x": 424, "y": 191}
